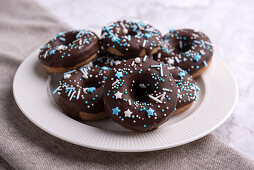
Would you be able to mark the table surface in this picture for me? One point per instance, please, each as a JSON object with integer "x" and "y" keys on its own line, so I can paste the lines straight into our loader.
{"x": 229, "y": 24}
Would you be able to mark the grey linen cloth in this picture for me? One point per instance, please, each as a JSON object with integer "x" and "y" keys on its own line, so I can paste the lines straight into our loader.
{"x": 24, "y": 26}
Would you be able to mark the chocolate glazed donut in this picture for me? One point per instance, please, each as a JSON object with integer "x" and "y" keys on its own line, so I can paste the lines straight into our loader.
{"x": 186, "y": 48}
{"x": 187, "y": 89}
{"x": 130, "y": 38}
{"x": 81, "y": 93}
{"x": 140, "y": 94}
{"x": 69, "y": 50}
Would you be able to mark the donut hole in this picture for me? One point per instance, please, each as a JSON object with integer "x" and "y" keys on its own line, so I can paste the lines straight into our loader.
{"x": 70, "y": 37}
{"x": 67, "y": 39}
{"x": 132, "y": 32}
{"x": 92, "y": 82}
{"x": 141, "y": 90}
{"x": 182, "y": 45}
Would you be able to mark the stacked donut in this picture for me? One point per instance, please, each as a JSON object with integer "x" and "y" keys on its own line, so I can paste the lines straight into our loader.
{"x": 132, "y": 73}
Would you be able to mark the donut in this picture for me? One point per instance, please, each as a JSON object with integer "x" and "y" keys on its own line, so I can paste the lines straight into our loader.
{"x": 188, "y": 49}
{"x": 69, "y": 50}
{"x": 130, "y": 38}
{"x": 187, "y": 89}
{"x": 81, "y": 93}
{"x": 140, "y": 94}
{"x": 108, "y": 60}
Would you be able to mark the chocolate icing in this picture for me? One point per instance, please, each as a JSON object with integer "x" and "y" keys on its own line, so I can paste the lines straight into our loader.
{"x": 140, "y": 94}
{"x": 187, "y": 89}
{"x": 129, "y": 36}
{"x": 186, "y": 48}
{"x": 69, "y": 48}
{"x": 82, "y": 90}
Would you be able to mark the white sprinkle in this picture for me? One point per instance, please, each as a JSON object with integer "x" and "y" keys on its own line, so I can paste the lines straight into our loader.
{"x": 129, "y": 102}
{"x": 155, "y": 99}
{"x": 46, "y": 54}
{"x": 115, "y": 82}
{"x": 208, "y": 43}
{"x": 132, "y": 64}
{"x": 69, "y": 93}
{"x": 103, "y": 35}
{"x": 129, "y": 37}
{"x": 78, "y": 94}
{"x": 163, "y": 96}
{"x": 70, "y": 88}
{"x": 54, "y": 92}
{"x": 159, "y": 55}
{"x": 75, "y": 41}
{"x": 144, "y": 59}
{"x": 143, "y": 86}
{"x": 196, "y": 41}
{"x": 125, "y": 31}
{"x": 170, "y": 61}
{"x": 202, "y": 52}
{"x": 84, "y": 73}
{"x": 72, "y": 95}
{"x": 164, "y": 89}
{"x": 85, "y": 90}
{"x": 137, "y": 60}
{"x": 117, "y": 62}
{"x": 69, "y": 72}
{"x": 158, "y": 96}
{"x": 161, "y": 70}
{"x": 144, "y": 43}
{"x": 155, "y": 66}
{"x": 80, "y": 41}
{"x": 180, "y": 44}
{"x": 171, "y": 68}
{"x": 177, "y": 60}
{"x": 195, "y": 35}
{"x": 118, "y": 95}
{"x": 66, "y": 76}
{"x": 61, "y": 47}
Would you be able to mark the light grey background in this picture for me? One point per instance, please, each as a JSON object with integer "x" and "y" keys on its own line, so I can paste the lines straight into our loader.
{"x": 229, "y": 24}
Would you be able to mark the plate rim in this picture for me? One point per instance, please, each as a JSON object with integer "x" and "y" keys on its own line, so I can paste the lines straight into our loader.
{"x": 161, "y": 147}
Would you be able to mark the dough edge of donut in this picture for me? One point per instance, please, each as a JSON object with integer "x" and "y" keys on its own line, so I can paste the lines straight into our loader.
{"x": 96, "y": 116}
{"x": 65, "y": 69}
{"x": 182, "y": 109}
{"x": 202, "y": 70}
{"x": 84, "y": 115}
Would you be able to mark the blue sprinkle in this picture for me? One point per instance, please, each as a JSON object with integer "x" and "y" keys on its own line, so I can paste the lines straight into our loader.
{"x": 205, "y": 63}
{"x": 59, "y": 34}
{"x": 181, "y": 74}
{"x": 119, "y": 74}
{"x": 91, "y": 89}
{"x": 148, "y": 35}
{"x": 62, "y": 38}
{"x": 150, "y": 112}
{"x": 105, "y": 68}
{"x": 52, "y": 51}
{"x": 197, "y": 57}
{"x": 115, "y": 111}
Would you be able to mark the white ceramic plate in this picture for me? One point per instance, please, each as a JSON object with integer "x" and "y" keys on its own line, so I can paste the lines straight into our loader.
{"x": 32, "y": 89}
